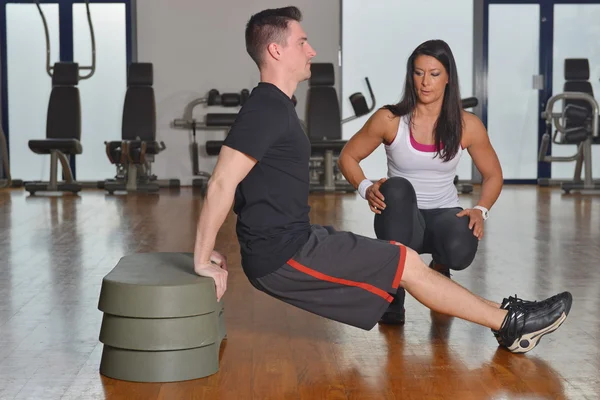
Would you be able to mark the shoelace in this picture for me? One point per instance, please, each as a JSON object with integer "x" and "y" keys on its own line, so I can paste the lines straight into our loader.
{"x": 516, "y": 299}
{"x": 531, "y": 305}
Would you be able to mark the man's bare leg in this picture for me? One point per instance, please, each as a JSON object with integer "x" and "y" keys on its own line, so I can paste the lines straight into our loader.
{"x": 440, "y": 268}
{"x": 443, "y": 295}
{"x": 491, "y": 303}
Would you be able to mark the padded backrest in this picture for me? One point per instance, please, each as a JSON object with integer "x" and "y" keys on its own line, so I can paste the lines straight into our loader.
{"x": 63, "y": 120}
{"x": 323, "y": 117}
{"x": 139, "y": 108}
{"x": 577, "y": 75}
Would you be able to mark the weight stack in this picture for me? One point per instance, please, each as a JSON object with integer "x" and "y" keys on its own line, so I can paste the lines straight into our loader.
{"x": 161, "y": 322}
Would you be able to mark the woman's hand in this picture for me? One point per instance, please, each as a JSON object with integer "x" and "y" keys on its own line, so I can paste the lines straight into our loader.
{"x": 374, "y": 196}
{"x": 475, "y": 221}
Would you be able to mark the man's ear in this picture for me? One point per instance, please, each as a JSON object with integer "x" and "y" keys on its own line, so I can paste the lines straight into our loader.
{"x": 274, "y": 50}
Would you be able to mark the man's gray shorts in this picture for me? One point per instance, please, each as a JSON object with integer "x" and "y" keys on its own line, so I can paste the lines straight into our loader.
{"x": 340, "y": 276}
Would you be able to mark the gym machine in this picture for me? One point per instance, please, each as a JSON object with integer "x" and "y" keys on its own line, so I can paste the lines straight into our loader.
{"x": 212, "y": 121}
{"x": 134, "y": 154}
{"x": 63, "y": 131}
{"x": 581, "y": 129}
{"x": 577, "y": 124}
{"x": 324, "y": 128}
{"x": 63, "y": 121}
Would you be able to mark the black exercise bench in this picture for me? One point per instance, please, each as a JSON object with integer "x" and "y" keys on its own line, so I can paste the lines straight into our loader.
{"x": 324, "y": 129}
{"x": 134, "y": 154}
{"x": 63, "y": 130}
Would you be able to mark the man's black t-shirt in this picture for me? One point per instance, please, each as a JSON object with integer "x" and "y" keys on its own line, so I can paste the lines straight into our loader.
{"x": 271, "y": 202}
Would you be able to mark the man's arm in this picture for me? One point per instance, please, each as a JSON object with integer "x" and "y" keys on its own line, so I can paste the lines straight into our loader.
{"x": 232, "y": 166}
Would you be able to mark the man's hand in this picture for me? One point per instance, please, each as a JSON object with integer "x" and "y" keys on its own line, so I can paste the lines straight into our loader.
{"x": 216, "y": 268}
{"x": 475, "y": 221}
{"x": 374, "y": 196}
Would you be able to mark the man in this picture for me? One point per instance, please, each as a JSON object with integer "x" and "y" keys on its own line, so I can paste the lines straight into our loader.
{"x": 263, "y": 168}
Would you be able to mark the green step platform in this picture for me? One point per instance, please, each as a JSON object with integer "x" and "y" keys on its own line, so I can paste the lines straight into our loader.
{"x": 161, "y": 322}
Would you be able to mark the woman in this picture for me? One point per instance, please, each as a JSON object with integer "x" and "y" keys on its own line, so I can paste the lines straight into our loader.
{"x": 424, "y": 136}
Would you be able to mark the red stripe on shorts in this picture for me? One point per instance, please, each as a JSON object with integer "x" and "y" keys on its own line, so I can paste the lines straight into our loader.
{"x": 401, "y": 262}
{"x": 316, "y": 274}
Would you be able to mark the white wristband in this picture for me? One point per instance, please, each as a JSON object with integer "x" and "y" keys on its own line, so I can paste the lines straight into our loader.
{"x": 484, "y": 211}
{"x": 363, "y": 186}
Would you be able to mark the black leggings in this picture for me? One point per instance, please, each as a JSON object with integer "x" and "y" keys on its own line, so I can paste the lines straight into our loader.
{"x": 438, "y": 232}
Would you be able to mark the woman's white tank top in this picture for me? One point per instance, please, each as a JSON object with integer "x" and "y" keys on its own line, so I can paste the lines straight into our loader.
{"x": 432, "y": 178}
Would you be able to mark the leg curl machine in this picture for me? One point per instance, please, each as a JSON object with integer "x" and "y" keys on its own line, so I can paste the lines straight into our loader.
{"x": 134, "y": 154}
{"x": 324, "y": 128}
{"x": 579, "y": 126}
{"x": 212, "y": 121}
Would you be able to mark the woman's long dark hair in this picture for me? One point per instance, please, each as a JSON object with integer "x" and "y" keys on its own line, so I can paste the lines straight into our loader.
{"x": 448, "y": 128}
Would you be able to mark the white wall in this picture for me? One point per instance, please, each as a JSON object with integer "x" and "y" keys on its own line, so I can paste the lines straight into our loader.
{"x": 513, "y": 102}
{"x": 199, "y": 45}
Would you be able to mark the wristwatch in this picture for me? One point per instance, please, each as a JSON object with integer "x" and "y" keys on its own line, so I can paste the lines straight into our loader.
{"x": 484, "y": 211}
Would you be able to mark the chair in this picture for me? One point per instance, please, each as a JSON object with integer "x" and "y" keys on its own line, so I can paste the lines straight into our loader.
{"x": 134, "y": 154}
{"x": 324, "y": 129}
{"x": 63, "y": 130}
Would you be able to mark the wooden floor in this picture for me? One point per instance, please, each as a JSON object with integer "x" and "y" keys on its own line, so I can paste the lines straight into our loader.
{"x": 54, "y": 252}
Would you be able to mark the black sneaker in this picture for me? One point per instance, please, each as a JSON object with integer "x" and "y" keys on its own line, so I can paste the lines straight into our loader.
{"x": 394, "y": 315}
{"x": 527, "y": 321}
{"x": 392, "y": 318}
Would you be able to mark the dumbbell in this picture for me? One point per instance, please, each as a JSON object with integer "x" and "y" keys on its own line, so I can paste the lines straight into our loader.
{"x": 227, "y": 99}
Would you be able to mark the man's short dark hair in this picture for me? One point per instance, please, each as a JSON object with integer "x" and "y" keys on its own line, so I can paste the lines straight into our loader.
{"x": 269, "y": 26}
